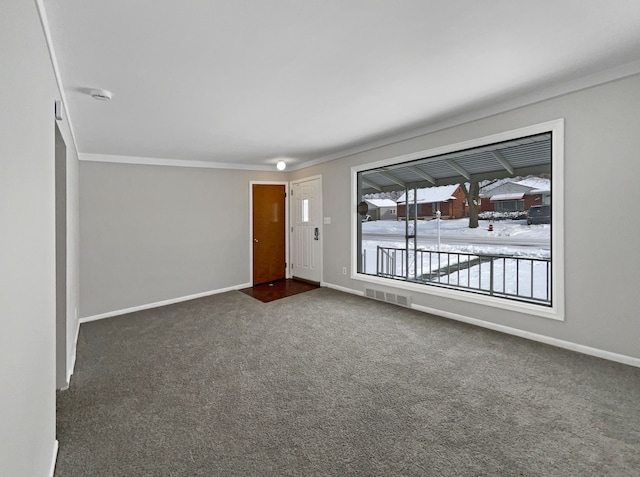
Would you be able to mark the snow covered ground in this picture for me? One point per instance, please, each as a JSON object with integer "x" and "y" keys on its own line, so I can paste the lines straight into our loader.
{"x": 460, "y": 227}
{"x": 509, "y": 237}
{"x": 513, "y": 238}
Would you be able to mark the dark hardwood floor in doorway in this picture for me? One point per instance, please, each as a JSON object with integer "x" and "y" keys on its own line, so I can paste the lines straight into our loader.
{"x": 271, "y": 291}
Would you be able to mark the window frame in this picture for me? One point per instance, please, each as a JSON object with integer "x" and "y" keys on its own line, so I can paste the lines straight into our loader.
{"x": 556, "y": 310}
{"x": 516, "y": 202}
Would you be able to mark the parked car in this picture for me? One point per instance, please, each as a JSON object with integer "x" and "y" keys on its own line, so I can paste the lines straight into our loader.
{"x": 539, "y": 214}
{"x": 367, "y": 218}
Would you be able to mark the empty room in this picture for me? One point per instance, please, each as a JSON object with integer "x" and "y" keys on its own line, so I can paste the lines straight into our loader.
{"x": 337, "y": 237}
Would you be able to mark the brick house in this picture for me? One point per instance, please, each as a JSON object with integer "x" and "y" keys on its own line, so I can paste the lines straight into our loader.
{"x": 450, "y": 200}
{"x": 515, "y": 195}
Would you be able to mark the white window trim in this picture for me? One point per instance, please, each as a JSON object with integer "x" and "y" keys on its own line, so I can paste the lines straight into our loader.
{"x": 556, "y": 311}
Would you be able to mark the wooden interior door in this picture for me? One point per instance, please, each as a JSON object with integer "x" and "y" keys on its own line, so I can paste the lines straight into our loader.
{"x": 269, "y": 262}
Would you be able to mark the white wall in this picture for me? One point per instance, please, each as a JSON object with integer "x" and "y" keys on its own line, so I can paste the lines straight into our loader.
{"x": 156, "y": 233}
{"x": 27, "y": 254}
{"x": 602, "y": 167}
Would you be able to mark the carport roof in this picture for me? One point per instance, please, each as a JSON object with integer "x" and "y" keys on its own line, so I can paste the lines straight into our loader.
{"x": 519, "y": 157}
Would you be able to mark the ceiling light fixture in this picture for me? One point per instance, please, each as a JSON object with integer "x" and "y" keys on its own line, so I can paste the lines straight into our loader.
{"x": 101, "y": 94}
{"x": 281, "y": 165}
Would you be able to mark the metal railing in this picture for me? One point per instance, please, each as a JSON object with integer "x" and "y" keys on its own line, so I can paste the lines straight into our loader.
{"x": 506, "y": 276}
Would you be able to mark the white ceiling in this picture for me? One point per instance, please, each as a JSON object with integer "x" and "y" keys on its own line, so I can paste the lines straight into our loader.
{"x": 247, "y": 82}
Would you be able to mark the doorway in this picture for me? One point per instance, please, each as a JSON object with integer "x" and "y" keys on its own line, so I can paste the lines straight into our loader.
{"x": 306, "y": 221}
{"x": 268, "y": 201}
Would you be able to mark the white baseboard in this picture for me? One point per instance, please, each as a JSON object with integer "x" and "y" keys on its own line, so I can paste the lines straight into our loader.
{"x": 341, "y": 288}
{"x": 72, "y": 364}
{"x": 619, "y": 358}
{"x": 54, "y": 458}
{"x": 162, "y": 303}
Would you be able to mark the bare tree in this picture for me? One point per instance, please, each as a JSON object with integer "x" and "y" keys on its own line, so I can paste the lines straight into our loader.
{"x": 472, "y": 193}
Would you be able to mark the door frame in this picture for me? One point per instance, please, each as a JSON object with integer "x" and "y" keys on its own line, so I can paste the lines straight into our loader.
{"x": 320, "y": 224}
{"x": 61, "y": 242}
{"x": 286, "y": 225}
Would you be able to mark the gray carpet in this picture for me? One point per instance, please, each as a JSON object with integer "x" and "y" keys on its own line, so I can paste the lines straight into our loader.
{"x": 326, "y": 383}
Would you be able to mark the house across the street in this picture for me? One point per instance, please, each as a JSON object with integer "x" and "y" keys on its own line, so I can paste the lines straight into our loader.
{"x": 382, "y": 209}
{"x": 449, "y": 200}
{"x": 512, "y": 195}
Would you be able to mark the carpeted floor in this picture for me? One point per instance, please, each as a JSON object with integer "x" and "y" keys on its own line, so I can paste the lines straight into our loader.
{"x": 326, "y": 383}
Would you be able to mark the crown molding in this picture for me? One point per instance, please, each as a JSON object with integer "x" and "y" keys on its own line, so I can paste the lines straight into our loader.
{"x": 154, "y": 161}
{"x": 42, "y": 13}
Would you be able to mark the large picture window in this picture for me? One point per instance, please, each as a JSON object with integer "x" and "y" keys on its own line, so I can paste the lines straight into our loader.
{"x": 477, "y": 219}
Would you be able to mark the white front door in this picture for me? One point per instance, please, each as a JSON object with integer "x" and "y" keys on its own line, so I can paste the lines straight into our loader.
{"x": 306, "y": 221}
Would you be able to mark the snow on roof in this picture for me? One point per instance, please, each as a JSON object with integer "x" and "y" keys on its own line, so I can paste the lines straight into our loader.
{"x": 432, "y": 194}
{"x": 513, "y": 196}
{"x": 486, "y": 186}
{"x": 536, "y": 183}
{"x": 533, "y": 182}
{"x": 381, "y": 202}
{"x": 512, "y": 185}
